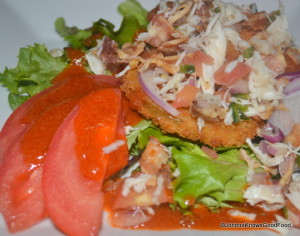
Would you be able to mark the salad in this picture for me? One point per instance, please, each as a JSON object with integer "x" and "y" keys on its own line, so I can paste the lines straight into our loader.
{"x": 187, "y": 110}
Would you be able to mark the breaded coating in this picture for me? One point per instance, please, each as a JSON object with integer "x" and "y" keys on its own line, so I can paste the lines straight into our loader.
{"x": 184, "y": 125}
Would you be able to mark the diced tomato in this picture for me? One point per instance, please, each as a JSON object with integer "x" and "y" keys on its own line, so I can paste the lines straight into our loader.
{"x": 228, "y": 78}
{"x": 185, "y": 97}
{"x": 73, "y": 196}
{"x": 198, "y": 58}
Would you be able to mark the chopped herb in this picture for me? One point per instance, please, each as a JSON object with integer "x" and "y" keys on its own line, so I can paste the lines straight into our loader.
{"x": 241, "y": 95}
{"x": 238, "y": 112}
{"x": 273, "y": 15}
{"x": 253, "y": 7}
{"x": 217, "y": 10}
{"x": 248, "y": 52}
{"x": 187, "y": 69}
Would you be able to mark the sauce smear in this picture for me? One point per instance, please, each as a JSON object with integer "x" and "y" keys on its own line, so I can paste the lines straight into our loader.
{"x": 200, "y": 218}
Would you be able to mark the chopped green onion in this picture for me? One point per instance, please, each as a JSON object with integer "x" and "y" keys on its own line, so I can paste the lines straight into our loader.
{"x": 274, "y": 14}
{"x": 248, "y": 52}
{"x": 187, "y": 69}
{"x": 253, "y": 7}
{"x": 217, "y": 10}
{"x": 241, "y": 95}
{"x": 238, "y": 112}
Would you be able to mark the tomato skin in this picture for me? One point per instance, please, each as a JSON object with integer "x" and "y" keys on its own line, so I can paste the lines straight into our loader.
{"x": 73, "y": 202}
{"x": 73, "y": 196}
{"x": 186, "y": 96}
{"x": 21, "y": 196}
{"x": 238, "y": 72}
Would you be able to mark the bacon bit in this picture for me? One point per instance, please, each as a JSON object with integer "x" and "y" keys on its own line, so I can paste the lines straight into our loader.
{"x": 154, "y": 156}
{"x": 247, "y": 34}
{"x": 286, "y": 169}
{"x": 276, "y": 62}
{"x": 131, "y": 51}
{"x": 181, "y": 12}
{"x": 292, "y": 57}
{"x": 185, "y": 96}
{"x": 171, "y": 46}
{"x": 294, "y": 136}
{"x": 154, "y": 11}
{"x": 294, "y": 53}
{"x": 198, "y": 58}
{"x": 212, "y": 153}
{"x": 166, "y": 63}
{"x": 160, "y": 30}
{"x": 231, "y": 52}
{"x": 109, "y": 56}
{"x": 257, "y": 21}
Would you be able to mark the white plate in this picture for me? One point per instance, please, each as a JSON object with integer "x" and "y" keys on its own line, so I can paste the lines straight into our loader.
{"x": 23, "y": 23}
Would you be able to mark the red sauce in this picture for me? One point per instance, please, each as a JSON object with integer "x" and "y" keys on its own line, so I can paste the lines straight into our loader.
{"x": 201, "y": 218}
{"x": 96, "y": 127}
{"x": 46, "y": 114}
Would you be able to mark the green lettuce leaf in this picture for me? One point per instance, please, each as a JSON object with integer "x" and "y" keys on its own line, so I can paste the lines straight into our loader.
{"x": 33, "y": 73}
{"x": 74, "y": 36}
{"x": 222, "y": 179}
{"x": 213, "y": 182}
{"x": 134, "y": 8}
{"x": 134, "y": 19}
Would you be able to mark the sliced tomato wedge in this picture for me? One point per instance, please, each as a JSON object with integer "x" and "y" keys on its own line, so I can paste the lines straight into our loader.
{"x": 185, "y": 96}
{"x": 72, "y": 187}
{"x": 21, "y": 196}
{"x": 13, "y": 126}
{"x": 239, "y": 71}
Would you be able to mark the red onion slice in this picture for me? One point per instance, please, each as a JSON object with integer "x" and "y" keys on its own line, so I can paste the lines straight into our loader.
{"x": 267, "y": 148}
{"x": 150, "y": 91}
{"x": 272, "y": 133}
{"x": 289, "y": 75}
{"x": 287, "y": 118}
{"x": 293, "y": 86}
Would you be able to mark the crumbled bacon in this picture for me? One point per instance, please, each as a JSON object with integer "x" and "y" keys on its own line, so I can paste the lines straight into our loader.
{"x": 294, "y": 137}
{"x": 292, "y": 57}
{"x": 257, "y": 21}
{"x": 181, "y": 12}
{"x": 155, "y": 10}
{"x": 153, "y": 157}
{"x": 131, "y": 51}
{"x": 109, "y": 56}
{"x": 160, "y": 30}
{"x": 231, "y": 52}
{"x": 208, "y": 107}
{"x": 276, "y": 62}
